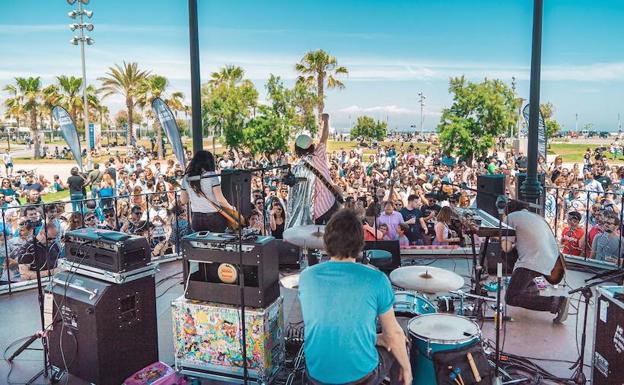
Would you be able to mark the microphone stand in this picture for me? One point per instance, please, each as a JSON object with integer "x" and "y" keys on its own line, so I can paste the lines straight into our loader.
{"x": 586, "y": 291}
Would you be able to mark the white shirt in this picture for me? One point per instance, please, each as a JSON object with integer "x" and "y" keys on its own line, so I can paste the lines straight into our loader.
{"x": 7, "y": 158}
{"x": 199, "y": 203}
{"x": 537, "y": 247}
{"x": 226, "y": 164}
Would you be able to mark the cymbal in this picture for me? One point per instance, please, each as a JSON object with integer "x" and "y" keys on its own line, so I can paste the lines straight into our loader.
{"x": 290, "y": 281}
{"x": 308, "y": 236}
{"x": 426, "y": 279}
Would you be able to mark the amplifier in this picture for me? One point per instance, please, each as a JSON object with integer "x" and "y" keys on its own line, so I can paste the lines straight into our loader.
{"x": 106, "y": 250}
{"x": 104, "y": 332}
{"x": 211, "y": 265}
{"x": 207, "y": 340}
{"x": 607, "y": 368}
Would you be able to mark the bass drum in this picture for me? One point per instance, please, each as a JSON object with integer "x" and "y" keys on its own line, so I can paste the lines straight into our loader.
{"x": 432, "y": 333}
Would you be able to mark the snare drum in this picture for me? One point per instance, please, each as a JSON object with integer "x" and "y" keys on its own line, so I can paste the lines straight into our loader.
{"x": 408, "y": 304}
{"x": 431, "y": 333}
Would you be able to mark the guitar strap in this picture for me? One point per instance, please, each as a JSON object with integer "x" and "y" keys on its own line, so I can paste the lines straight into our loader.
{"x": 324, "y": 180}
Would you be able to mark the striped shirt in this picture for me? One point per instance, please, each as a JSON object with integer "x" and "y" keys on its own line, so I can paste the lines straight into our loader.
{"x": 323, "y": 198}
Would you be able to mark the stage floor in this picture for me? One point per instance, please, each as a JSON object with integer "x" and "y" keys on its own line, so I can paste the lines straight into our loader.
{"x": 530, "y": 334}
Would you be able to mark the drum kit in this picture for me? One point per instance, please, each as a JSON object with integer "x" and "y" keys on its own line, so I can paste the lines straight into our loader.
{"x": 430, "y": 331}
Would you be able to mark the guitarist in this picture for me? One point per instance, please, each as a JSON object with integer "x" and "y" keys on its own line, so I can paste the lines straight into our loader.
{"x": 538, "y": 254}
{"x": 204, "y": 193}
{"x": 316, "y": 198}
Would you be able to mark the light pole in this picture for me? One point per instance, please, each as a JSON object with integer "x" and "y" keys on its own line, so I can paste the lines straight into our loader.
{"x": 576, "y": 123}
{"x": 80, "y": 12}
{"x": 422, "y": 106}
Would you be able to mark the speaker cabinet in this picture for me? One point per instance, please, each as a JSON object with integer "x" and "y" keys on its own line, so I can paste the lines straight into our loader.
{"x": 234, "y": 182}
{"x": 489, "y": 187}
{"x": 104, "y": 332}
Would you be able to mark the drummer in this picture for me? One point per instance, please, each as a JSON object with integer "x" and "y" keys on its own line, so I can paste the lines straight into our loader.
{"x": 341, "y": 301}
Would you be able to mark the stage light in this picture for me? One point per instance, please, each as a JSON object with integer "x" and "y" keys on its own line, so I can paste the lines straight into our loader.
{"x": 71, "y": 2}
{"x": 89, "y": 40}
{"x": 73, "y": 27}
{"x": 88, "y": 26}
{"x": 72, "y": 14}
{"x": 74, "y": 41}
{"x": 87, "y": 13}
{"x": 84, "y": 1}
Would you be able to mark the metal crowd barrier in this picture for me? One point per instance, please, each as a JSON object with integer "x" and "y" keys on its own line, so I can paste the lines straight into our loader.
{"x": 9, "y": 283}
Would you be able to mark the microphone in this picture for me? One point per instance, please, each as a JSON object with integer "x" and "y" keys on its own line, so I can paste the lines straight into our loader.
{"x": 501, "y": 204}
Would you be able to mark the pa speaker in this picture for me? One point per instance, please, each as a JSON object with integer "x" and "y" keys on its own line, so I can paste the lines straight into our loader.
{"x": 233, "y": 183}
{"x": 489, "y": 187}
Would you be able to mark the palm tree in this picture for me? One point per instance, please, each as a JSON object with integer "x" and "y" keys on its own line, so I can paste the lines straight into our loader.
{"x": 51, "y": 98}
{"x": 230, "y": 74}
{"x": 151, "y": 88}
{"x": 69, "y": 88}
{"x": 176, "y": 102}
{"x": 30, "y": 89}
{"x": 14, "y": 106}
{"x": 318, "y": 70}
{"x": 124, "y": 80}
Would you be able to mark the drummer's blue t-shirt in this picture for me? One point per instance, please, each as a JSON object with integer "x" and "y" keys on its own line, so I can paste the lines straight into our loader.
{"x": 340, "y": 302}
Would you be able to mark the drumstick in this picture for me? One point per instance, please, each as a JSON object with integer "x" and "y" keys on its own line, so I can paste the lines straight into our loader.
{"x": 473, "y": 367}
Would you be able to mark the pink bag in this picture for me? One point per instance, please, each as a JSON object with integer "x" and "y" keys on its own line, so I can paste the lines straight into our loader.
{"x": 157, "y": 373}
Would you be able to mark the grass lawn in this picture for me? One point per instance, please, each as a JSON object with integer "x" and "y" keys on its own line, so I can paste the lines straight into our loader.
{"x": 573, "y": 152}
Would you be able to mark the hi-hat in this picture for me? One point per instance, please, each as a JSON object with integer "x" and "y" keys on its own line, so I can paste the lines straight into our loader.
{"x": 426, "y": 279}
{"x": 308, "y": 236}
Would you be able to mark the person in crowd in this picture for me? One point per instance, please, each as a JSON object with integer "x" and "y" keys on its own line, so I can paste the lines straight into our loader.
{"x": 58, "y": 184}
{"x": 76, "y": 184}
{"x": 402, "y": 230}
{"x": 606, "y": 245}
{"x": 7, "y": 158}
{"x": 277, "y": 219}
{"x": 391, "y": 219}
{"x": 9, "y": 268}
{"x": 413, "y": 217}
{"x": 203, "y": 190}
{"x": 106, "y": 191}
{"x": 538, "y": 252}
{"x": 180, "y": 225}
{"x": 572, "y": 235}
{"x": 91, "y": 219}
{"x": 110, "y": 222}
{"x": 256, "y": 222}
{"x": 75, "y": 221}
{"x": 39, "y": 253}
{"x": 7, "y": 188}
{"x": 31, "y": 184}
{"x": 94, "y": 179}
{"x": 348, "y": 339}
{"x": 443, "y": 234}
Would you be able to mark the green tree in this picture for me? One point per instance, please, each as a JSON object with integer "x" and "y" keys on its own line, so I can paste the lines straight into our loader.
{"x": 479, "y": 114}
{"x": 30, "y": 91}
{"x": 366, "y": 128}
{"x": 267, "y": 132}
{"x": 124, "y": 80}
{"x": 552, "y": 126}
{"x": 152, "y": 87}
{"x": 227, "y": 106}
{"x": 14, "y": 104}
{"x": 318, "y": 70}
{"x": 69, "y": 89}
{"x": 229, "y": 74}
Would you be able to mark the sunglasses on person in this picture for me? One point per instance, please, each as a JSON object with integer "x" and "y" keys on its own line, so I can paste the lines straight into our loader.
{"x": 110, "y": 215}
{"x": 137, "y": 212}
{"x": 89, "y": 219}
{"x": 398, "y": 204}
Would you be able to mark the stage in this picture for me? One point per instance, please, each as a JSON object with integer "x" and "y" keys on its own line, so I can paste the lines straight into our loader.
{"x": 530, "y": 334}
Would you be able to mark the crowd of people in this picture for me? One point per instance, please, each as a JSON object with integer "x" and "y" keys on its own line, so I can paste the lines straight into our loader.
{"x": 405, "y": 191}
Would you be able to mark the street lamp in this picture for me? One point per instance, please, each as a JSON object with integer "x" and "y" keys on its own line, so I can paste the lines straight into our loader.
{"x": 79, "y": 13}
{"x": 422, "y": 106}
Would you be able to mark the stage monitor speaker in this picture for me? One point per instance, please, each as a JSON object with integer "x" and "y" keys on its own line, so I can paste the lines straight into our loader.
{"x": 607, "y": 368}
{"x": 491, "y": 257}
{"x": 241, "y": 179}
{"x": 287, "y": 253}
{"x": 391, "y": 246}
{"x": 489, "y": 187}
{"x": 103, "y": 332}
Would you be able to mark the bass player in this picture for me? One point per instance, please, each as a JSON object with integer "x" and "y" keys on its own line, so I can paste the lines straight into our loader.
{"x": 538, "y": 255}
{"x": 315, "y": 199}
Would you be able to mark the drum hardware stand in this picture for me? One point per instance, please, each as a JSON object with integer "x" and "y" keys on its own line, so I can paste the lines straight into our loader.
{"x": 586, "y": 291}
{"x": 501, "y": 204}
{"x": 47, "y": 371}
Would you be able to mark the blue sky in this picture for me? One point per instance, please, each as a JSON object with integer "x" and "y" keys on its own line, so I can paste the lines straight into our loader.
{"x": 393, "y": 49}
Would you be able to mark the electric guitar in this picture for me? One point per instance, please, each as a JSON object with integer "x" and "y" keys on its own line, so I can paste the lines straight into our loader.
{"x": 335, "y": 190}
